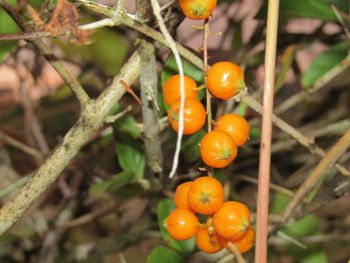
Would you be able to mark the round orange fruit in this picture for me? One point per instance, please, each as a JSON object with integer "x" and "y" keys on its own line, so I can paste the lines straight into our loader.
{"x": 218, "y": 149}
{"x": 181, "y": 224}
{"x": 231, "y": 220}
{"x": 225, "y": 79}
{"x": 171, "y": 89}
{"x": 181, "y": 196}
{"x": 197, "y": 9}
{"x": 244, "y": 243}
{"x": 235, "y": 126}
{"x": 207, "y": 242}
{"x": 194, "y": 116}
{"x": 206, "y": 195}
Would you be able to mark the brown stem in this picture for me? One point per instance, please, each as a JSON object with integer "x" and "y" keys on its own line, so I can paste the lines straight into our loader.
{"x": 321, "y": 169}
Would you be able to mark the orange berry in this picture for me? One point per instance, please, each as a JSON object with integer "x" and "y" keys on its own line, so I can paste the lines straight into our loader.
{"x": 244, "y": 243}
{"x": 218, "y": 149}
{"x": 206, "y": 195}
{"x": 171, "y": 89}
{"x": 235, "y": 126}
{"x": 231, "y": 220}
{"x": 194, "y": 116}
{"x": 181, "y": 196}
{"x": 206, "y": 242}
{"x": 225, "y": 79}
{"x": 181, "y": 224}
{"x": 197, "y": 9}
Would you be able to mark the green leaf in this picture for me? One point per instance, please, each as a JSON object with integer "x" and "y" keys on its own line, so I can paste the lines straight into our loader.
{"x": 7, "y": 26}
{"x": 170, "y": 68}
{"x": 163, "y": 254}
{"x": 320, "y": 9}
{"x": 318, "y": 256}
{"x": 36, "y": 3}
{"x": 100, "y": 188}
{"x": 163, "y": 210}
{"x": 190, "y": 145}
{"x": 114, "y": 184}
{"x": 308, "y": 225}
{"x": 128, "y": 124}
{"x": 129, "y": 153}
{"x": 108, "y": 49}
{"x": 280, "y": 202}
{"x": 255, "y": 133}
{"x": 324, "y": 63}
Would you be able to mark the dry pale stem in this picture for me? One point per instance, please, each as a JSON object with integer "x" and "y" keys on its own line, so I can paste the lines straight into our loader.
{"x": 265, "y": 145}
{"x": 320, "y": 171}
{"x": 235, "y": 251}
{"x": 21, "y": 146}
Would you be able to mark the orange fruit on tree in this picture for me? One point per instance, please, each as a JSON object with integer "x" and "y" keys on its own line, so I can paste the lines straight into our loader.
{"x": 197, "y": 9}
{"x": 235, "y": 126}
{"x": 206, "y": 195}
{"x": 225, "y": 79}
{"x": 231, "y": 220}
{"x": 181, "y": 196}
{"x": 244, "y": 243}
{"x": 209, "y": 243}
{"x": 194, "y": 116}
{"x": 171, "y": 89}
{"x": 181, "y": 224}
{"x": 218, "y": 149}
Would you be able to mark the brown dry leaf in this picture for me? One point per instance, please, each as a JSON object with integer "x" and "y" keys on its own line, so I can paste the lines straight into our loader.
{"x": 65, "y": 19}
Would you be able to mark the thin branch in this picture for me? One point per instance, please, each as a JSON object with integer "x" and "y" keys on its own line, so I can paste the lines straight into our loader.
{"x": 111, "y": 119}
{"x": 74, "y": 85}
{"x": 341, "y": 20}
{"x": 101, "y": 23}
{"x": 275, "y": 187}
{"x": 320, "y": 171}
{"x": 173, "y": 47}
{"x": 19, "y": 145}
{"x": 25, "y": 36}
{"x": 320, "y": 83}
{"x": 85, "y": 219}
{"x": 205, "y": 72}
{"x": 311, "y": 239}
{"x": 265, "y": 145}
{"x": 12, "y": 187}
{"x": 308, "y": 142}
{"x": 235, "y": 251}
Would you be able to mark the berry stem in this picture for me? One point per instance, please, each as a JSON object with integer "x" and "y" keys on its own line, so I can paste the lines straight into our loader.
{"x": 205, "y": 73}
{"x": 235, "y": 251}
{"x": 205, "y": 70}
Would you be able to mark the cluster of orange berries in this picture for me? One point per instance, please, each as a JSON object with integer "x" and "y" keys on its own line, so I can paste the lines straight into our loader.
{"x": 224, "y": 80}
{"x": 227, "y": 223}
